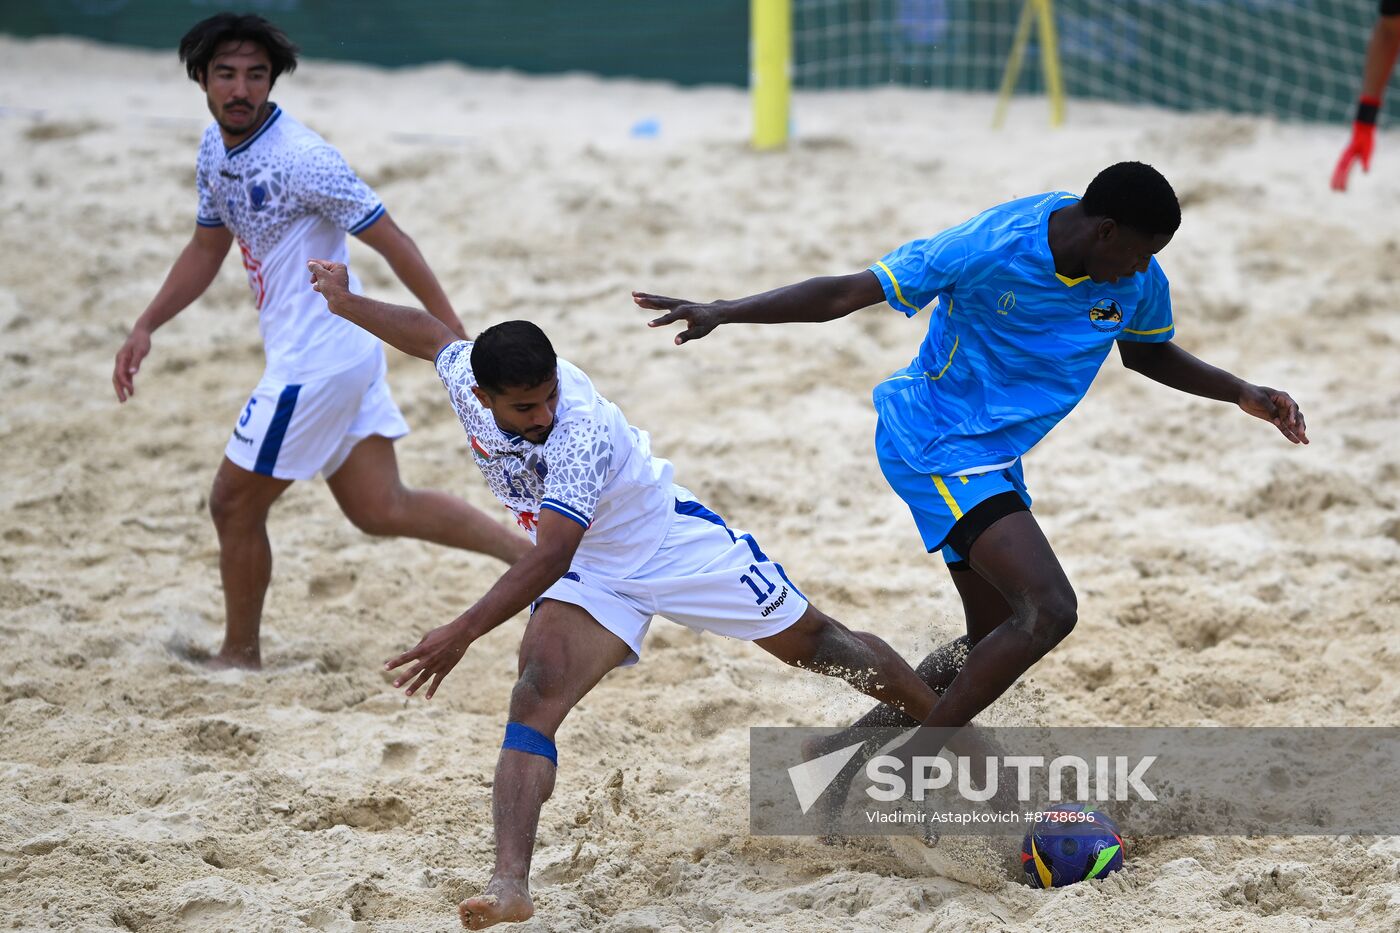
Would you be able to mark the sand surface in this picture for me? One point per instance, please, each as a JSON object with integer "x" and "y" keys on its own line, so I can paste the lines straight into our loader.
{"x": 1223, "y": 575}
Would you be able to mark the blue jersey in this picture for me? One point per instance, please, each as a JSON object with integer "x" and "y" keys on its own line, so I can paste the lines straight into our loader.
{"x": 1012, "y": 345}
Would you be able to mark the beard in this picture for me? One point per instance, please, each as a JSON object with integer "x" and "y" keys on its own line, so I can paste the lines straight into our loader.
{"x": 240, "y": 120}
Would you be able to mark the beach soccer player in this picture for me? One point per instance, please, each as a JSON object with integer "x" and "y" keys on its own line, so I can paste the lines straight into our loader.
{"x": 616, "y": 540}
{"x": 1024, "y": 302}
{"x": 322, "y": 405}
{"x": 1380, "y": 60}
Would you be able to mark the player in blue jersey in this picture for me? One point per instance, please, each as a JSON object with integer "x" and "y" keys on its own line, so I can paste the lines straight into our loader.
{"x": 1024, "y": 302}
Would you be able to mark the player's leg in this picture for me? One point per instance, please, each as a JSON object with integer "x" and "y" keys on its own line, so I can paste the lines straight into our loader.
{"x": 239, "y": 502}
{"x": 985, "y": 518}
{"x": 1014, "y": 558}
{"x": 564, "y": 654}
{"x": 945, "y": 510}
{"x": 1013, "y": 578}
{"x": 363, "y": 473}
{"x": 285, "y": 432}
{"x": 984, "y": 609}
{"x": 372, "y": 496}
{"x": 712, "y": 578}
{"x": 819, "y": 643}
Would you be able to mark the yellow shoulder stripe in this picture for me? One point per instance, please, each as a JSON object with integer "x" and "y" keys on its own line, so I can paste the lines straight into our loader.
{"x": 895, "y": 282}
{"x": 1149, "y": 333}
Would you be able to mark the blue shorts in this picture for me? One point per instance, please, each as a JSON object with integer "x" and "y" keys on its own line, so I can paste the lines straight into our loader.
{"x": 939, "y": 503}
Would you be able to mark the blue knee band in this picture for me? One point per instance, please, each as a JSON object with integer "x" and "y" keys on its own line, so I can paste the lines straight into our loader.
{"x": 530, "y": 741}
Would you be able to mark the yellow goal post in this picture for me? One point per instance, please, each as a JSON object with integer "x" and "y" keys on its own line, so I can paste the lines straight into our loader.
{"x": 772, "y": 64}
{"x": 770, "y": 71}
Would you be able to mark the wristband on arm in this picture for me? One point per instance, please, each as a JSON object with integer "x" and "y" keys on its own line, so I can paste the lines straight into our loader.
{"x": 1367, "y": 110}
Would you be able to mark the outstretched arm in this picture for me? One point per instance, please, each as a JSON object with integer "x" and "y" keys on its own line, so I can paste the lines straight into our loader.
{"x": 398, "y": 249}
{"x": 1172, "y": 366}
{"x": 198, "y": 264}
{"x": 415, "y": 332}
{"x": 557, "y": 538}
{"x": 815, "y": 300}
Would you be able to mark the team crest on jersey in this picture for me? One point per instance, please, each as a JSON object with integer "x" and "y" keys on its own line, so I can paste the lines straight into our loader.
{"x": 1106, "y": 315}
{"x": 261, "y": 191}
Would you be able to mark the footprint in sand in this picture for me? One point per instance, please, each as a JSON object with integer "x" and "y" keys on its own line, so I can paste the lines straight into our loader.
{"x": 219, "y": 735}
{"x": 331, "y": 585}
{"x": 399, "y": 755}
{"x": 206, "y": 911}
{"x": 376, "y": 814}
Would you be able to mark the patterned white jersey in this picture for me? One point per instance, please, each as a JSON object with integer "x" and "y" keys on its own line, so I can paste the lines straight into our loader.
{"x": 289, "y": 197}
{"x": 594, "y": 468}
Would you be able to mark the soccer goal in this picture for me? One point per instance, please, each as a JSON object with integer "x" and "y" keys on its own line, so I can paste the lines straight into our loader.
{"x": 1293, "y": 59}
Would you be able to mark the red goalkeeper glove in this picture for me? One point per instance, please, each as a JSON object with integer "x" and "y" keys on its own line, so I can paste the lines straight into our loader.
{"x": 1363, "y": 143}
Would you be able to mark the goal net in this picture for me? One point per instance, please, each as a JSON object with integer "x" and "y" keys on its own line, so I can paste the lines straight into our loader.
{"x": 1293, "y": 59}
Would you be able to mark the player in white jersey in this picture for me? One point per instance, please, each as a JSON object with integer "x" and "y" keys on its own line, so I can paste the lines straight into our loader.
{"x": 616, "y": 541}
{"x": 322, "y": 405}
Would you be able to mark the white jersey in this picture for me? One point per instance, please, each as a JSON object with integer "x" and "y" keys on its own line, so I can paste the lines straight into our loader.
{"x": 594, "y": 468}
{"x": 289, "y": 197}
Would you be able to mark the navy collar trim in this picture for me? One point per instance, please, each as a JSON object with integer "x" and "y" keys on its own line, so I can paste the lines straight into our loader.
{"x": 243, "y": 146}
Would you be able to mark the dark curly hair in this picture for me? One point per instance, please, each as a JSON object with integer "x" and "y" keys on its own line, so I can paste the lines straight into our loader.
{"x": 199, "y": 44}
{"x": 1135, "y": 195}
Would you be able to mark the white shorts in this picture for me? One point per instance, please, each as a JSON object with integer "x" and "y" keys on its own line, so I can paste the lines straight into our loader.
{"x": 704, "y": 576}
{"x": 296, "y": 431}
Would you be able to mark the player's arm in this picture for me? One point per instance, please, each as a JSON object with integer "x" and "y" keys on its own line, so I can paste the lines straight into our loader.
{"x": 398, "y": 249}
{"x": 195, "y": 268}
{"x": 556, "y": 539}
{"x": 815, "y": 300}
{"x": 1380, "y": 60}
{"x": 1172, "y": 366}
{"x": 410, "y": 330}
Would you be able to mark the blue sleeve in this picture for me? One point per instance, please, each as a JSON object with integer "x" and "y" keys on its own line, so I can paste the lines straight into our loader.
{"x": 1152, "y": 318}
{"x": 916, "y": 272}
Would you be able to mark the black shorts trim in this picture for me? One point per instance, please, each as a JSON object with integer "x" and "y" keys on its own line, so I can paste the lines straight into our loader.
{"x": 983, "y": 515}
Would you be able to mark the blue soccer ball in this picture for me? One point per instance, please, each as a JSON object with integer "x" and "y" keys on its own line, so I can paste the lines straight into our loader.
{"x": 1071, "y": 843}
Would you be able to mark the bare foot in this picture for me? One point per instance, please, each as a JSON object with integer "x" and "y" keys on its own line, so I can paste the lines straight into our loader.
{"x": 502, "y": 902}
{"x": 241, "y": 659}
